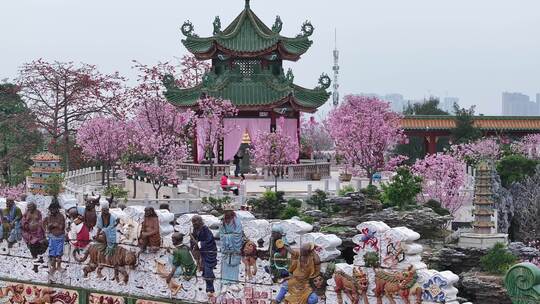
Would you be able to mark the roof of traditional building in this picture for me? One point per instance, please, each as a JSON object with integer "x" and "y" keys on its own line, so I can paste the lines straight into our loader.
{"x": 260, "y": 91}
{"x": 486, "y": 123}
{"x": 247, "y": 36}
{"x": 45, "y": 156}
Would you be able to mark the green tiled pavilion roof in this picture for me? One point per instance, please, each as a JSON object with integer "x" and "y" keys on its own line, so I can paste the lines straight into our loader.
{"x": 247, "y": 36}
{"x": 261, "y": 91}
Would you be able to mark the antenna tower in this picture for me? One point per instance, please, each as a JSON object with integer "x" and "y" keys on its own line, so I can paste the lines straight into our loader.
{"x": 335, "y": 94}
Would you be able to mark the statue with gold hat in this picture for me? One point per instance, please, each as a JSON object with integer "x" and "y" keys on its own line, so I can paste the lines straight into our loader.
{"x": 305, "y": 266}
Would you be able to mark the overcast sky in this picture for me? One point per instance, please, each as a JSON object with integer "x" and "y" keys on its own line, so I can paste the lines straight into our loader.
{"x": 472, "y": 49}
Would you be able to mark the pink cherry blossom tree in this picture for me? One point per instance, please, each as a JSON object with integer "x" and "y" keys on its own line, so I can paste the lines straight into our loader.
{"x": 488, "y": 149}
{"x": 16, "y": 192}
{"x": 103, "y": 140}
{"x": 529, "y": 146}
{"x": 314, "y": 136}
{"x": 365, "y": 130}
{"x": 211, "y": 113}
{"x": 443, "y": 179}
{"x": 274, "y": 150}
{"x": 63, "y": 95}
{"x": 159, "y": 132}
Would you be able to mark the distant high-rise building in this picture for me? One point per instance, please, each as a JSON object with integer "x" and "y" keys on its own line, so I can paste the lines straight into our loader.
{"x": 519, "y": 104}
{"x": 447, "y": 104}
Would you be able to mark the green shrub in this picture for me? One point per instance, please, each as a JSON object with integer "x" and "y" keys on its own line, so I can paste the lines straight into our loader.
{"x": 371, "y": 192}
{"x": 318, "y": 200}
{"x": 54, "y": 184}
{"x": 295, "y": 203}
{"x": 498, "y": 259}
{"x": 515, "y": 168}
{"x": 216, "y": 203}
{"x": 307, "y": 218}
{"x": 116, "y": 191}
{"x": 402, "y": 189}
{"x": 289, "y": 212}
{"x": 346, "y": 190}
{"x": 436, "y": 207}
{"x": 269, "y": 205}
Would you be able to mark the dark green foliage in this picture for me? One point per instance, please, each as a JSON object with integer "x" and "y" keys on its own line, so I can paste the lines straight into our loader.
{"x": 371, "y": 259}
{"x": 514, "y": 168}
{"x": 498, "y": 259}
{"x": 295, "y": 203}
{"x": 217, "y": 203}
{"x": 54, "y": 185}
{"x": 318, "y": 200}
{"x": 346, "y": 190}
{"x": 402, "y": 189}
{"x": 371, "y": 192}
{"x": 436, "y": 207}
{"x": 428, "y": 107}
{"x": 307, "y": 218}
{"x": 116, "y": 192}
{"x": 19, "y": 135}
{"x": 289, "y": 212}
{"x": 465, "y": 131}
{"x": 269, "y": 205}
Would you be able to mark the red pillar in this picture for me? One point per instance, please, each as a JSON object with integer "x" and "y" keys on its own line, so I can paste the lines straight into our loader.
{"x": 195, "y": 147}
{"x": 431, "y": 143}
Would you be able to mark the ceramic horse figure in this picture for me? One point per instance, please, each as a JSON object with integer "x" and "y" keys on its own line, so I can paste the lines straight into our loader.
{"x": 355, "y": 286}
{"x": 402, "y": 284}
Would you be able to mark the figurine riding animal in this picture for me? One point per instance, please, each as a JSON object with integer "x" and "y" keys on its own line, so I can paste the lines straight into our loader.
{"x": 119, "y": 260}
{"x": 355, "y": 286}
{"x": 402, "y": 283}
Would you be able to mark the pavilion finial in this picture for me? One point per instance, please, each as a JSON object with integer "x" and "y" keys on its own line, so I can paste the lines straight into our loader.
{"x": 247, "y": 3}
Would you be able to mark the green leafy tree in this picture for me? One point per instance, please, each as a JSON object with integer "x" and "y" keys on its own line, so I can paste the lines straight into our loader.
{"x": 515, "y": 168}
{"x": 19, "y": 135}
{"x": 498, "y": 259}
{"x": 54, "y": 185}
{"x": 270, "y": 205}
{"x": 402, "y": 189}
{"x": 465, "y": 131}
{"x": 427, "y": 107}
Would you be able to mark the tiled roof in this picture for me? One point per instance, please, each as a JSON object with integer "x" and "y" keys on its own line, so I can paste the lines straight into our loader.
{"x": 45, "y": 156}
{"x": 483, "y": 122}
{"x": 249, "y": 36}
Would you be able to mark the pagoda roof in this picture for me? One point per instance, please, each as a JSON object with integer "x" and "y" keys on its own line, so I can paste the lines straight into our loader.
{"x": 484, "y": 123}
{"x": 262, "y": 91}
{"x": 45, "y": 156}
{"x": 248, "y": 37}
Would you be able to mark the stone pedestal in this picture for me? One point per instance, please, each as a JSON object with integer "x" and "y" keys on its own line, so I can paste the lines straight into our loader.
{"x": 481, "y": 241}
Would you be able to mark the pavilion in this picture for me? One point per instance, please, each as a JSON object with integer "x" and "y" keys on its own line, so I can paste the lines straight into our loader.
{"x": 434, "y": 127}
{"x": 247, "y": 69}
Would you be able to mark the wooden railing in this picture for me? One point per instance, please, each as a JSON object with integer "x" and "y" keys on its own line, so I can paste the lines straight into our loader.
{"x": 298, "y": 171}
{"x": 203, "y": 171}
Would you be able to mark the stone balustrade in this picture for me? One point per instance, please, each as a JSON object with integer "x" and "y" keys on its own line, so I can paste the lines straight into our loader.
{"x": 297, "y": 172}
{"x": 203, "y": 171}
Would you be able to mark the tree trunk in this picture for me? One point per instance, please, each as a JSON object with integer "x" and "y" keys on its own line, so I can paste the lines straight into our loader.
{"x": 156, "y": 188}
{"x": 103, "y": 175}
{"x": 370, "y": 176}
{"x": 66, "y": 138}
{"x": 108, "y": 176}
{"x": 134, "y": 186}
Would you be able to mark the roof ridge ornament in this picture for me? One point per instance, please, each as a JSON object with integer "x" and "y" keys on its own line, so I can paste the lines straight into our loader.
{"x": 217, "y": 25}
{"x": 278, "y": 24}
{"x": 324, "y": 82}
{"x": 187, "y": 29}
{"x": 307, "y": 29}
{"x": 247, "y": 4}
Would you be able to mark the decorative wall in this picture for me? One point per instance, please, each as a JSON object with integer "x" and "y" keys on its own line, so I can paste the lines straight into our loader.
{"x": 387, "y": 267}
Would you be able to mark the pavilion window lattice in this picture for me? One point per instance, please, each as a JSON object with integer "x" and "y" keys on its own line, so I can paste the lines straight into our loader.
{"x": 247, "y": 66}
